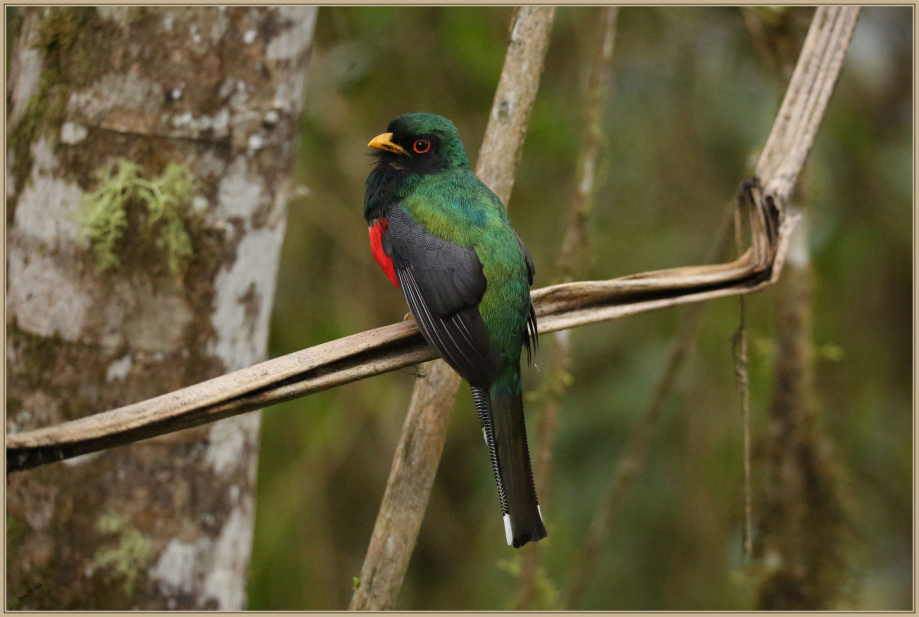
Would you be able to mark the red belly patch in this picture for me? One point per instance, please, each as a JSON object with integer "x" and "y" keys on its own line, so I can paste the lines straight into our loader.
{"x": 377, "y": 231}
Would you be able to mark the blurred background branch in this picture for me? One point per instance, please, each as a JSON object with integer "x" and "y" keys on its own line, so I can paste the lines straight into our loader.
{"x": 803, "y": 524}
{"x": 571, "y": 264}
{"x": 634, "y": 452}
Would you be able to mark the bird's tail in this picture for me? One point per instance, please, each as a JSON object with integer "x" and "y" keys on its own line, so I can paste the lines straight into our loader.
{"x": 501, "y": 413}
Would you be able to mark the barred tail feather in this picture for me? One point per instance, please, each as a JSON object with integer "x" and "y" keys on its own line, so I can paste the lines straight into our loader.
{"x": 500, "y": 411}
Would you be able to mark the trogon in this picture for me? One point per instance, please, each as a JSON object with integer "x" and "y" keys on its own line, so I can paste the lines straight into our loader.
{"x": 443, "y": 238}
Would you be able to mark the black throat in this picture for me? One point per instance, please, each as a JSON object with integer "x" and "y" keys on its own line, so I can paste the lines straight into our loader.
{"x": 382, "y": 191}
{"x": 390, "y": 175}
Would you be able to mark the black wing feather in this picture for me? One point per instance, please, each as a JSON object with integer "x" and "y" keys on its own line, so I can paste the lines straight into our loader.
{"x": 443, "y": 284}
{"x": 442, "y": 335}
{"x": 531, "y": 267}
{"x": 531, "y": 341}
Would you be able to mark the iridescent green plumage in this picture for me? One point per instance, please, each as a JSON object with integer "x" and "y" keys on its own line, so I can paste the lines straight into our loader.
{"x": 466, "y": 276}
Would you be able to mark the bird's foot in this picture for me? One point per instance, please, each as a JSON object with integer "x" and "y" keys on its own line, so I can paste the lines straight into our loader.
{"x": 408, "y": 317}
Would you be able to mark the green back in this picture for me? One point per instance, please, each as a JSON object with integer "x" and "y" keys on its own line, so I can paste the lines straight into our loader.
{"x": 455, "y": 205}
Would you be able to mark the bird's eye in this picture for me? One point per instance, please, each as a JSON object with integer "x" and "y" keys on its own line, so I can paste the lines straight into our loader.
{"x": 421, "y": 146}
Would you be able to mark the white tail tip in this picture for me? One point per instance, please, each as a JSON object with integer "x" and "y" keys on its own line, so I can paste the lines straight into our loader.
{"x": 507, "y": 529}
{"x": 540, "y": 514}
{"x": 485, "y": 436}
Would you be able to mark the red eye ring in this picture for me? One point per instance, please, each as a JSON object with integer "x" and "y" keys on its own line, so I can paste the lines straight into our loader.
{"x": 421, "y": 146}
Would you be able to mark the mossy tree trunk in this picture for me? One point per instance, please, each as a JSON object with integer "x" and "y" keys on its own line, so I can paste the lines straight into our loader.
{"x": 167, "y": 523}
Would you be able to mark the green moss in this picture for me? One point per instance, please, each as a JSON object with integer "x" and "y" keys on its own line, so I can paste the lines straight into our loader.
{"x": 46, "y": 109}
{"x": 20, "y": 141}
{"x": 61, "y": 26}
{"x": 76, "y": 45}
{"x": 12, "y": 28}
{"x": 110, "y": 523}
{"x": 38, "y": 353}
{"x": 71, "y": 41}
{"x": 168, "y": 201}
{"x": 169, "y": 213}
{"x": 13, "y": 407}
{"x": 14, "y": 529}
{"x": 132, "y": 554}
{"x": 104, "y": 216}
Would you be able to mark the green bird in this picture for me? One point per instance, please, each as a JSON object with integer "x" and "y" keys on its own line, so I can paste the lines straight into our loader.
{"x": 443, "y": 238}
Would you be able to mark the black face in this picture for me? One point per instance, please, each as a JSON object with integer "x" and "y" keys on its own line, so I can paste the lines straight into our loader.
{"x": 422, "y": 151}
{"x": 418, "y": 144}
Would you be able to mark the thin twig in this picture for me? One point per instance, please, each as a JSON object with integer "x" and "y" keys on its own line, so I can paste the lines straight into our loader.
{"x": 572, "y": 263}
{"x": 741, "y": 376}
{"x": 409, "y": 487}
{"x": 572, "y": 260}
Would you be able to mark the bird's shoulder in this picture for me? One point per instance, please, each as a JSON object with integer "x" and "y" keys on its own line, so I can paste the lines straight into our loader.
{"x": 455, "y": 206}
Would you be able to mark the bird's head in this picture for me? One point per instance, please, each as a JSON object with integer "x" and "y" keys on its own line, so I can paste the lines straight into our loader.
{"x": 420, "y": 143}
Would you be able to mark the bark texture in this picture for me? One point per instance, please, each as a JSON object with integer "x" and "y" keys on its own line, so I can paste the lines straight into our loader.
{"x": 166, "y": 524}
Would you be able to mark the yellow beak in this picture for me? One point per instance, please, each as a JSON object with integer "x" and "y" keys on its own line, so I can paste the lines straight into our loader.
{"x": 384, "y": 142}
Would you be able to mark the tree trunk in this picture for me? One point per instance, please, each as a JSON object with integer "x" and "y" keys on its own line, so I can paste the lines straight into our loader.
{"x": 167, "y": 523}
{"x": 802, "y": 526}
{"x": 801, "y": 535}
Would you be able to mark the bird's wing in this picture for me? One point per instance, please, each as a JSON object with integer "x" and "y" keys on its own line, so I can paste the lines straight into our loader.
{"x": 531, "y": 267}
{"x": 443, "y": 284}
{"x": 531, "y": 341}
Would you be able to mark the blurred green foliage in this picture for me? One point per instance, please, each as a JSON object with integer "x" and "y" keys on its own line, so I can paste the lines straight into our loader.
{"x": 690, "y": 107}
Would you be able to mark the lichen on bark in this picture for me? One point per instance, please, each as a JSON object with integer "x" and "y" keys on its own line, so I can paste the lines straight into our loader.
{"x": 169, "y": 212}
{"x": 180, "y": 93}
